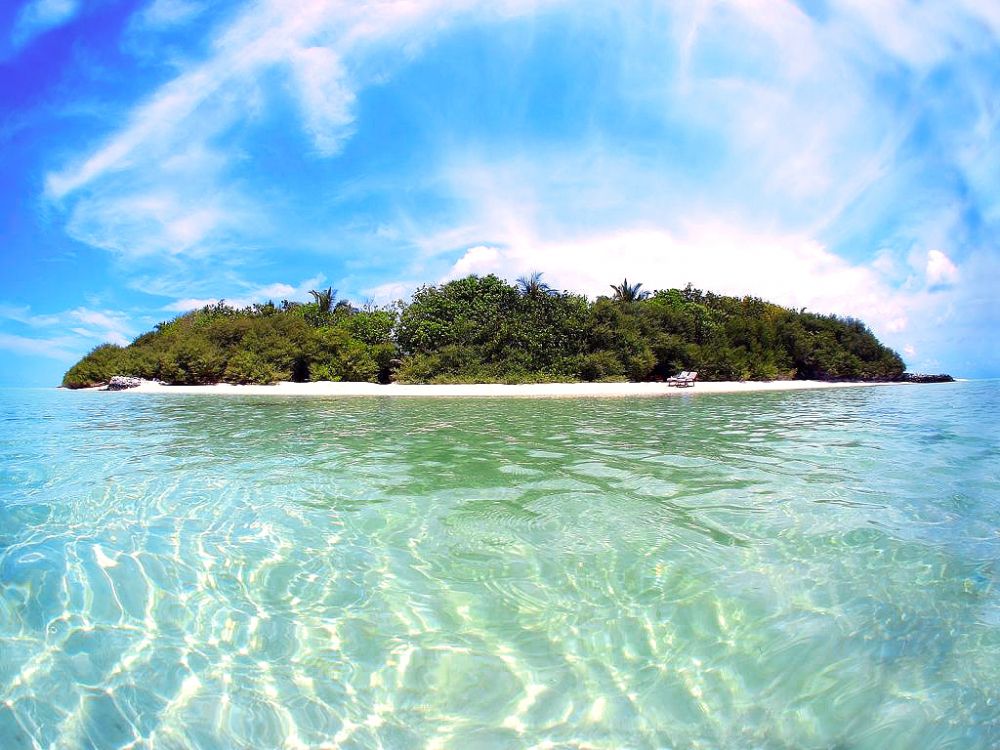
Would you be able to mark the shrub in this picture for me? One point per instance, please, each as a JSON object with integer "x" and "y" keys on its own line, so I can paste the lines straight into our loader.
{"x": 600, "y": 366}
{"x": 354, "y": 363}
{"x": 192, "y": 361}
{"x": 96, "y": 368}
{"x": 638, "y": 366}
{"x": 246, "y": 368}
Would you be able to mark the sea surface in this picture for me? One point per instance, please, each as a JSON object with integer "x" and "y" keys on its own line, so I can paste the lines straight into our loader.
{"x": 784, "y": 570}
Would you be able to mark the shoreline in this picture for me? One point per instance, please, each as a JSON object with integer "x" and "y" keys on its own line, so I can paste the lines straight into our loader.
{"x": 491, "y": 390}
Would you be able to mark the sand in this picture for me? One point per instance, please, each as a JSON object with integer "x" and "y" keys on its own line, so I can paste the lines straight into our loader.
{"x": 540, "y": 390}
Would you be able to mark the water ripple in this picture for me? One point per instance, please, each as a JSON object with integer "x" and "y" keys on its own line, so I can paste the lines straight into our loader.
{"x": 771, "y": 571}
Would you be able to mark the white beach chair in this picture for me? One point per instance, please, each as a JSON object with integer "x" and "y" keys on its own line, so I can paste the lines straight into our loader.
{"x": 678, "y": 377}
{"x": 687, "y": 382}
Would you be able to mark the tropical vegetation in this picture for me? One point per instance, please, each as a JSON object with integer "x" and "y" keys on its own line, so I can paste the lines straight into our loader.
{"x": 484, "y": 329}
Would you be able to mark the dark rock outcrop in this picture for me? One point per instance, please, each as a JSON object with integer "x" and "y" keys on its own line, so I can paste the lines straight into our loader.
{"x": 122, "y": 383}
{"x": 919, "y": 377}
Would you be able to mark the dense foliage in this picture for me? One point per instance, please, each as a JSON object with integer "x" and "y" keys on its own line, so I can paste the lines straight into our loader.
{"x": 258, "y": 344}
{"x": 482, "y": 329}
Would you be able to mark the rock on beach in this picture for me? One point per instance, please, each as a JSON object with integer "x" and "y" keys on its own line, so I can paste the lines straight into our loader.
{"x": 122, "y": 383}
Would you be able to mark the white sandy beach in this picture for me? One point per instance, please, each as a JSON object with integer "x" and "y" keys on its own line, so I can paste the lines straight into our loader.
{"x": 539, "y": 390}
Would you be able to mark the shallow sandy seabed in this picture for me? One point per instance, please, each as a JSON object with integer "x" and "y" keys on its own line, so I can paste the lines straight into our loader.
{"x": 543, "y": 390}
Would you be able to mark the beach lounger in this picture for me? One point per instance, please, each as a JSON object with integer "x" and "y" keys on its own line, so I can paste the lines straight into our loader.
{"x": 684, "y": 380}
{"x": 688, "y": 382}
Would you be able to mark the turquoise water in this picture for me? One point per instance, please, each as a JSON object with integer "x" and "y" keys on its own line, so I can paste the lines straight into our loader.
{"x": 801, "y": 570}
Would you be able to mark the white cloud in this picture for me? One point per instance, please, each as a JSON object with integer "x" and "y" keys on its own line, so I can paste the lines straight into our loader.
{"x": 987, "y": 14}
{"x": 390, "y": 292}
{"x": 98, "y": 326}
{"x": 137, "y": 194}
{"x": 22, "y": 314}
{"x": 803, "y": 111}
{"x": 248, "y": 294}
{"x": 59, "y": 348}
{"x": 800, "y": 123}
{"x": 39, "y": 16}
{"x": 189, "y": 304}
{"x": 895, "y": 325}
{"x": 789, "y": 269}
{"x": 940, "y": 270}
{"x": 165, "y": 13}
{"x": 919, "y": 34}
{"x": 327, "y": 99}
{"x": 803, "y": 128}
{"x": 108, "y": 320}
{"x": 794, "y": 145}
{"x": 12, "y": 312}
{"x": 277, "y": 291}
{"x": 480, "y": 260}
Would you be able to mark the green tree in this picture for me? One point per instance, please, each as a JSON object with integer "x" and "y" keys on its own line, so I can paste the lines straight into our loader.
{"x": 626, "y": 292}
{"x": 324, "y": 298}
{"x": 532, "y": 286}
{"x": 96, "y": 368}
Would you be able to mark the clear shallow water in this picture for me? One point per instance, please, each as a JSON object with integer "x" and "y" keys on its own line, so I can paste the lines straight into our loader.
{"x": 806, "y": 570}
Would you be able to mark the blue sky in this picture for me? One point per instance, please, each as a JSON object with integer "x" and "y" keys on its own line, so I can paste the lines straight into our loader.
{"x": 157, "y": 155}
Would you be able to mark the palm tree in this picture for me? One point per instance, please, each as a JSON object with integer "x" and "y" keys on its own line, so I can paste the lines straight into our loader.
{"x": 533, "y": 286}
{"x": 626, "y": 292}
{"x": 324, "y": 299}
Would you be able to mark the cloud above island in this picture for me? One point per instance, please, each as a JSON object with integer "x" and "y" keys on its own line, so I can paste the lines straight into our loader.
{"x": 843, "y": 156}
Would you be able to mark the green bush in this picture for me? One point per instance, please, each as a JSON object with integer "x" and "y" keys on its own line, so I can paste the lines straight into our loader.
{"x": 602, "y": 365}
{"x": 249, "y": 368}
{"x": 338, "y": 357}
{"x": 354, "y": 363}
{"x": 639, "y": 365}
{"x": 460, "y": 363}
{"x": 192, "y": 361}
{"x": 96, "y": 368}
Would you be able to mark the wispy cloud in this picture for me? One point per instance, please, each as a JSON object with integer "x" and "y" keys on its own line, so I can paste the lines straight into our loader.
{"x": 845, "y": 160}
{"x": 390, "y": 292}
{"x": 804, "y": 133}
{"x": 90, "y": 326}
{"x": 326, "y": 97}
{"x": 164, "y": 184}
{"x": 62, "y": 336}
{"x": 40, "y": 16}
{"x": 61, "y": 348}
{"x": 189, "y": 303}
{"x": 161, "y": 14}
{"x": 248, "y": 295}
{"x": 22, "y": 314}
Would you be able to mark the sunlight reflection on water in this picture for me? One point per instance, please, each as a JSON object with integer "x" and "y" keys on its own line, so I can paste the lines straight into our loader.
{"x": 773, "y": 570}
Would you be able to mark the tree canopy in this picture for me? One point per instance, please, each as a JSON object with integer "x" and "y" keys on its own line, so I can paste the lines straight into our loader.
{"x": 533, "y": 286}
{"x": 483, "y": 329}
{"x": 626, "y": 292}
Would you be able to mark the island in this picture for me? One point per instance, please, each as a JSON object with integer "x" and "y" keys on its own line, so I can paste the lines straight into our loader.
{"x": 485, "y": 330}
